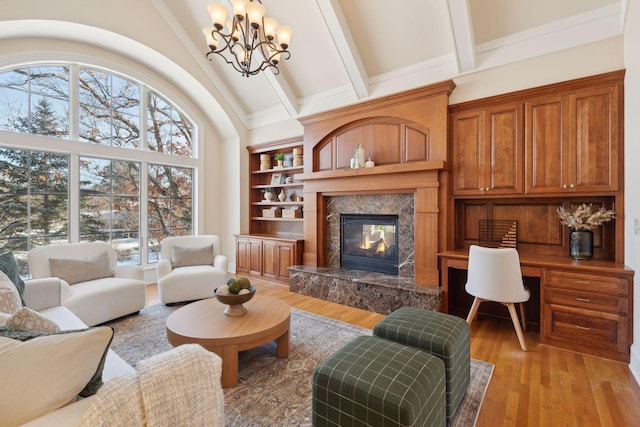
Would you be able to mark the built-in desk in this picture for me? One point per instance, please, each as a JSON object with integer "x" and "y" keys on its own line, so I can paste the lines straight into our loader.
{"x": 585, "y": 306}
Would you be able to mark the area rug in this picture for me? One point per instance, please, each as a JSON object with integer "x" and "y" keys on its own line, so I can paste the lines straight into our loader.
{"x": 272, "y": 391}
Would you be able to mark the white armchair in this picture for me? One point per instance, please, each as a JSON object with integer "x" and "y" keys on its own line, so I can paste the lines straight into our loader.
{"x": 88, "y": 280}
{"x": 190, "y": 268}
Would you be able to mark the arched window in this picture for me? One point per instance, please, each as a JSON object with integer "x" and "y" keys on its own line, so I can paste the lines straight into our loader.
{"x": 117, "y": 162}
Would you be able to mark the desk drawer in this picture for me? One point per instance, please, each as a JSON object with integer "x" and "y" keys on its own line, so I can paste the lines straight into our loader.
{"x": 588, "y": 300}
{"x": 587, "y": 282}
{"x": 572, "y": 326}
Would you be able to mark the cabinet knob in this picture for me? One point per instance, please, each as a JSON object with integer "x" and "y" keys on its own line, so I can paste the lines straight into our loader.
{"x": 564, "y": 186}
{"x": 571, "y": 186}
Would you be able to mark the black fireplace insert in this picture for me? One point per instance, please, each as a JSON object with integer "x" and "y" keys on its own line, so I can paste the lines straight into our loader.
{"x": 369, "y": 242}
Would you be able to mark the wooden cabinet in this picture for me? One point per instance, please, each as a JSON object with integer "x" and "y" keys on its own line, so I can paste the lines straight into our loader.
{"x": 587, "y": 313}
{"x": 488, "y": 150}
{"x": 572, "y": 141}
{"x": 267, "y": 257}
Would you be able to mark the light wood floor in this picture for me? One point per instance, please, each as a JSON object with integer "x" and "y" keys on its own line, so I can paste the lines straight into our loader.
{"x": 541, "y": 387}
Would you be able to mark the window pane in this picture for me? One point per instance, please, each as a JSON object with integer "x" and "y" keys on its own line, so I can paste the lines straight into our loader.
{"x": 35, "y": 100}
{"x": 169, "y": 131}
{"x": 170, "y": 203}
{"x": 34, "y": 201}
{"x": 109, "y": 109}
{"x": 110, "y": 205}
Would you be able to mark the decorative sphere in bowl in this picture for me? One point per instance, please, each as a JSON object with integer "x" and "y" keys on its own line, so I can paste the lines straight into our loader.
{"x": 234, "y": 297}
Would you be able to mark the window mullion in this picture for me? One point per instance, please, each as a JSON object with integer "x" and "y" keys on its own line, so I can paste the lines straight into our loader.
{"x": 74, "y": 197}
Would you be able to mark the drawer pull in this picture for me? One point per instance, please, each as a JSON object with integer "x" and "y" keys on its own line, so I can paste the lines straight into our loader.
{"x": 583, "y": 299}
{"x": 584, "y": 328}
{"x": 583, "y": 282}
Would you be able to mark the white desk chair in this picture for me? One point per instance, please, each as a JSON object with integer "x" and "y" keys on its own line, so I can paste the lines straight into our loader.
{"x": 495, "y": 275}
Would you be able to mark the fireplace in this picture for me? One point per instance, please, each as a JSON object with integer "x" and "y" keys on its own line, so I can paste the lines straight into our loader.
{"x": 369, "y": 242}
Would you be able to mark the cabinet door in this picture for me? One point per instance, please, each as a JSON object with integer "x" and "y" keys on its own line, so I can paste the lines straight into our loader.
{"x": 593, "y": 139}
{"x": 270, "y": 259}
{"x": 503, "y": 151}
{"x": 468, "y": 132}
{"x": 248, "y": 256}
{"x": 286, "y": 258}
{"x": 546, "y": 147}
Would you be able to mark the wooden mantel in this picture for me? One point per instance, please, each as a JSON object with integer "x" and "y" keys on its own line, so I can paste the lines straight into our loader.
{"x": 406, "y": 135}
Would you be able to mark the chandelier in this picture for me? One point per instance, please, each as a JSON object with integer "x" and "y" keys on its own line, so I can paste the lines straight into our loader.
{"x": 250, "y": 42}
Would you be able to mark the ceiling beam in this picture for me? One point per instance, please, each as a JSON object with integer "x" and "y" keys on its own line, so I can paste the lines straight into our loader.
{"x": 346, "y": 46}
{"x": 462, "y": 28}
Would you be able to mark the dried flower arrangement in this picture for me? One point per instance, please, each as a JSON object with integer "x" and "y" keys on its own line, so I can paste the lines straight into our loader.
{"x": 583, "y": 218}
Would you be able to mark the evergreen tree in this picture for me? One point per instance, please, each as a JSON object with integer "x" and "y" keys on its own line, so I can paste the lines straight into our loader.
{"x": 34, "y": 186}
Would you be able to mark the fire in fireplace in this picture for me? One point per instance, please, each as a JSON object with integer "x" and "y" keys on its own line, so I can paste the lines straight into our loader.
{"x": 369, "y": 242}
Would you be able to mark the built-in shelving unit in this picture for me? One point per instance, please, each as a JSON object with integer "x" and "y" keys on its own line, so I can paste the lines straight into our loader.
{"x": 274, "y": 241}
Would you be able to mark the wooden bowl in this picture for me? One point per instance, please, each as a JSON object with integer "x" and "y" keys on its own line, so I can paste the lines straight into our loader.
{"x": 234, "y": 302}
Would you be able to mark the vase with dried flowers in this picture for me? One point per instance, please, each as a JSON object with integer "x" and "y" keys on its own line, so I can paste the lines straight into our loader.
{"x": 582, "y": 221}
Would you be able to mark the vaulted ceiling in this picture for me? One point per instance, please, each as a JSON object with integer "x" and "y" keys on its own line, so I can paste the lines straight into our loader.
{"x": 342, "y": 51}
{"x": 345, "y": 51}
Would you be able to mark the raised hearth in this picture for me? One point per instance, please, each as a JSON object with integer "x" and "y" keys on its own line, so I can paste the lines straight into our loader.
{"x": 375, "y": 292}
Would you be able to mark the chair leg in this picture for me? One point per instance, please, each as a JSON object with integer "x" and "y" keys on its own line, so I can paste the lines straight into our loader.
{"x": 474, "y": 310}
{"x": 516, "y": 325}
{"x": 523, "y": 317}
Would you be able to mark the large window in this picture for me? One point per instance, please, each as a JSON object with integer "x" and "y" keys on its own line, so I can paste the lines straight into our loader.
{"x": 138, "y": 159}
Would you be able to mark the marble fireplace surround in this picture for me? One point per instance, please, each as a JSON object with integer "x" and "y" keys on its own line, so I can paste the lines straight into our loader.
{"x": 419, "y": 181}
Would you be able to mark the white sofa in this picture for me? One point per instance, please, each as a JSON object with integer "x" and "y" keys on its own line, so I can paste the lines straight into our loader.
{"x": 110, "y": 291}
{"x": 184, "y": 375}
{"x": 190, "y": 268}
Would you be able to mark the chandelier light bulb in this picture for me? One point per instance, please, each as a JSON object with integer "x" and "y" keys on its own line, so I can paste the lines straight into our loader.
{"x": 270, "y": 26}
{"x": 211, "y": 39}
{"x": 218, "y": 13}
{"x": 239, "y": 8}
{"x": 255, "y": 12}
{"x": 284, "y": 35}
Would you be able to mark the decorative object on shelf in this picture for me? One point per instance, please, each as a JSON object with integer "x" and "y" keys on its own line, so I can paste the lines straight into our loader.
{"x": 276, "y": 179}
{"x": 268, "y": 194}
{"x": 279, "y": 158}
{"x": 297, "y": 157}
{"x": 288, "y": 160}
{"x": 250, "y": 45}
{"x": 581, "y": 244}
{"x": 234, "y": 294}
{"x": 369, "y": 163}
{"x": 582, "y": 222}
{"x": 298, "y": 198}
{"x": 273, "y": 212}
{"x": 357, "y": 161}
{"x": 265, "y": 162}
{"x": 282, "y": 196}
{"x": 292, "y": 212}
{"x": 288, "y": 180}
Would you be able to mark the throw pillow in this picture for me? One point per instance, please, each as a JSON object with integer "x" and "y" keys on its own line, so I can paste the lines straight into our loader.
{"x": 9, "y": 296}
{"x": 4, "y": 318}
{"x": 29, "y": 320}
{"x": 42, "y": 373}
{"x": 9, "y": 266}
{"x": 74, "y": 270}
{"x": 183, "y": 257}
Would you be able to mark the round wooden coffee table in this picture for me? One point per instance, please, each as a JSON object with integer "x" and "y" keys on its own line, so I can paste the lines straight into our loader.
{"x": 203, "y": 322}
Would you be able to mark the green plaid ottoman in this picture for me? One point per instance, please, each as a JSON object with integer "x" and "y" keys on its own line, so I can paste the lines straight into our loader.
{"x": 440, "y": 334}
{"x": 375, "y": 382}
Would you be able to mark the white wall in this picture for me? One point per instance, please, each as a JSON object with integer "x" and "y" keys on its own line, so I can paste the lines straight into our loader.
{"x": 632, "y": 172}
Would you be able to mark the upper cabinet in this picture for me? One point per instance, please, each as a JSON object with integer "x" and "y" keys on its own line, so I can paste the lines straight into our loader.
{"x": 488, "y": 150}
{"x": 572, "y": 141}
{"x": 554, "y": 140}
